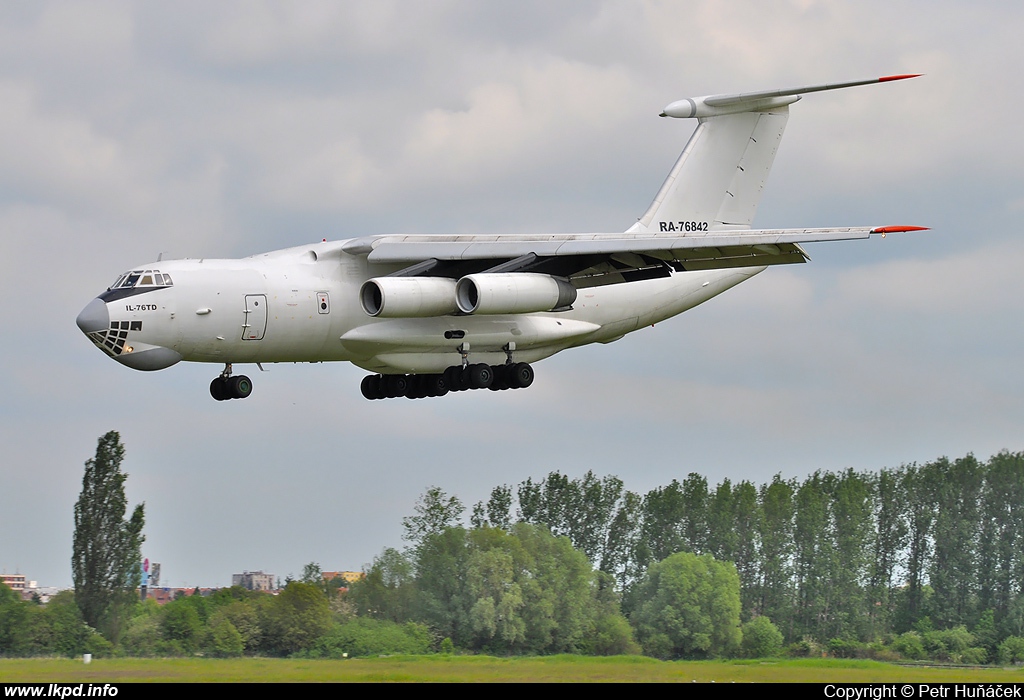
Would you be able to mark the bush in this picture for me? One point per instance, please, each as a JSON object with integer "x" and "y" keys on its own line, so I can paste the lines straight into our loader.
{"x": 1011, "y": 651}
{"x": 909, "y": 645}
{"x": 761, "y": 638}
{"x": 369, "y": 637}
{"x": 806, "y": 647}
{"x": 950, "y": 645}
{"x": 847, "y": 649}
{"x": 610, "y": 635}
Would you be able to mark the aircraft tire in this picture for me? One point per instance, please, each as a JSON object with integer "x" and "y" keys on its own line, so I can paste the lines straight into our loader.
{"x": 481, "y": 376}
{"x": 396, "y": 385}
{"x": 500, "y": 378}
{"x": 437, "y": 385}
{"x": 239, "y": 387}
{"x": 520, "y": 375}
{"x": 415, "y": 388}
{"x": 370, "y": 386}
{"x": 218, "y": 390}
{"x": 452, "y": 378}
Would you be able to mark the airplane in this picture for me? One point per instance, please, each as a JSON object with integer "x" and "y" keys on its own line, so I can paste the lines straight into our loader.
{"x": 431, "y": 314}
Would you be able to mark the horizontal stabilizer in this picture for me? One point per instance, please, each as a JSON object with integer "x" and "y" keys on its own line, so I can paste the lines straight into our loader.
{"x": 716, "y": 105}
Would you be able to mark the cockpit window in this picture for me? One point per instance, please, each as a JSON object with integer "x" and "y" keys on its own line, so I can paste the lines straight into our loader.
{"x": 142, "y": 278}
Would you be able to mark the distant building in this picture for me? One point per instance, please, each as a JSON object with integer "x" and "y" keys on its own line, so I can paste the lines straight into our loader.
{"x": 16, "y": 582}
{"x": 346, "y": 576}
{"x": 253, "y": 580}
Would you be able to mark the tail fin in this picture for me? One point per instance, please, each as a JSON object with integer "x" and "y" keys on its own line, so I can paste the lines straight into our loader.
{"x": 717, "y": 181}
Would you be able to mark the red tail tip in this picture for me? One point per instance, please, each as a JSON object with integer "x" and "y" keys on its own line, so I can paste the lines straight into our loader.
{"x": 899, "y": 229}
{"x": 899, "y": 77}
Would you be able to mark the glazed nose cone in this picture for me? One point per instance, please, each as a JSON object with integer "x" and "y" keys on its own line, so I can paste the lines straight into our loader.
{"x": 94, "y": 317}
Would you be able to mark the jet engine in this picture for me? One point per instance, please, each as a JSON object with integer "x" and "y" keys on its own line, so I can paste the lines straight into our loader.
{"x": 408, "y": 297}
{"x": 512, "y": 293}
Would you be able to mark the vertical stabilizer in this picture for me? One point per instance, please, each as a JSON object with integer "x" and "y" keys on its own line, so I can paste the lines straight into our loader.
{"x": 718, "y": 179}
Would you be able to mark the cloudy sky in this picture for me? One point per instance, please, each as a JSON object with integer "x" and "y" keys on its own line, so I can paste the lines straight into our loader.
{"x": 198, "y": 129}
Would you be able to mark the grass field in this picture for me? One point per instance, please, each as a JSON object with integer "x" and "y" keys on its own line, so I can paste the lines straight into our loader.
{"x": 475, "y": 669}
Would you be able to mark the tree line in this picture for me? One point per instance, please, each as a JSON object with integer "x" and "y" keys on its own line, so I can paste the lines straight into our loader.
{"x": 847, "y": 555}
{"x": 921, "y": 561}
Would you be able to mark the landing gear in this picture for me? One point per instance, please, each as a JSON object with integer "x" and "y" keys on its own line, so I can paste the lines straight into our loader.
{"x": 227, "y": 387}
{"x": 517, "y": 375}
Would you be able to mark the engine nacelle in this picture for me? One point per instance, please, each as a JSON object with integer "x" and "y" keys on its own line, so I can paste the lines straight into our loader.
{"x": 512, "y": 293}
{"x": 408, "y": 297}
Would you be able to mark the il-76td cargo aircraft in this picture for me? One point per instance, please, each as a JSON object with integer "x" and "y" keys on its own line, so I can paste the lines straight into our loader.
{"x": 429, "y": 314}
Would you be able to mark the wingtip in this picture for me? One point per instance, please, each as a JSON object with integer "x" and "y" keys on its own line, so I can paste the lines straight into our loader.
{"x": 904, "y": 76}
{"x": 899, "y": 229}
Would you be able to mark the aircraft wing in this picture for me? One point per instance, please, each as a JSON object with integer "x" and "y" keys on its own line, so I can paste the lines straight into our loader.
{"x": 568, "y": 254}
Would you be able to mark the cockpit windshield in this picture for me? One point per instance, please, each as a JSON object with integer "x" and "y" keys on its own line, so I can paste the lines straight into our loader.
{"x": 142, "y": 278}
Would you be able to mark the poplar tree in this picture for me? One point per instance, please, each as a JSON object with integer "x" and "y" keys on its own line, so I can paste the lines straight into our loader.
{"x": 106, "y": 555}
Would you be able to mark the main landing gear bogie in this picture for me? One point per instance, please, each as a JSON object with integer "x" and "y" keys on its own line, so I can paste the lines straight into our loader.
{"x": 227, "y": 387}
{"x": 515, "y": 375}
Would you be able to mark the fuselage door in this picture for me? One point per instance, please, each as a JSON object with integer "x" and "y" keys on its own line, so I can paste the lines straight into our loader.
{"x": 255, "y": 323}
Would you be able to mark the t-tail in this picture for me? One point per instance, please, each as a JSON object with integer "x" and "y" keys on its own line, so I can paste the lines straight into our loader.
{"x": 717, "y": 181}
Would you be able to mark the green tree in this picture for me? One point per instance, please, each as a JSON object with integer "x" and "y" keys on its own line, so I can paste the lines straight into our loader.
{"x": 387, "y": 590}
{"x": 776, "y": 539}
{"x": 761, "y": 639}
{"x": 312, "y": 574}
{"x": 919, "y": 486}
{"x": 106, "y": 554}
{"x": 690, "y": 608}
{"x": 746, "y": 519}
{"x": 13, "y": 616}
{"x": 890, "y": 539}
{"x": 435, "y": 511}
{"x": 953, "y": 571}
{"x": 296, "y": 618}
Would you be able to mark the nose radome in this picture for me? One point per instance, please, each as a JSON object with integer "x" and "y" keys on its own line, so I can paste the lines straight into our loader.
{"x": 94, "y": 317}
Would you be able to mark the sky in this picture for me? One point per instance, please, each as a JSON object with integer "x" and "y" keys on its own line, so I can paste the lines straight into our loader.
{"x": 193, "y": 129}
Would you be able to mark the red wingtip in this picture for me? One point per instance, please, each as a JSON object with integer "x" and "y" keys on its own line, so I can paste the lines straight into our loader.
{"x": 899, "y": 77}
{"x": 899, "y": 229}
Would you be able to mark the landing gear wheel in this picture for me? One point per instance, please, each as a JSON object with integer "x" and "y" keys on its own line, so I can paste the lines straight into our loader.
{"x": 451, "y": 378}
{"x": 396, "y": 385}
{"x": 520, "y": 375}
{"x": 219, "y": 389}
{"x": 415, "y": 388}
{"x": 465, "y": 381}
{"x": 480, "y": 376}
{"x": 500, "y": 378}
{"x": 370, "y": 387}
{"x": 437, "y": 385}
{"x": 239, "y": 387}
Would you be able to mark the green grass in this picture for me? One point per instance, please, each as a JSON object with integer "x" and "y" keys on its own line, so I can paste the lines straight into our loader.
{"x": 475, "y": 669}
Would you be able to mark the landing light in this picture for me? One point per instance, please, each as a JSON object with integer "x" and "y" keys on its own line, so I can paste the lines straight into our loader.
{"x": 128, "y": 349}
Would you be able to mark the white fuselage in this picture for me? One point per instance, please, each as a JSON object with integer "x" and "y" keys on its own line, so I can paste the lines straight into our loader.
{"x": 302, "y": 305}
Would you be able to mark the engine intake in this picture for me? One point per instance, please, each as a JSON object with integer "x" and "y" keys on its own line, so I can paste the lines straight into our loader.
{"x": 408, "y": 297}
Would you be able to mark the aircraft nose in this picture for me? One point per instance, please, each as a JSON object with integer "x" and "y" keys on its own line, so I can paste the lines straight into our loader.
{"x": 94, "y": 317}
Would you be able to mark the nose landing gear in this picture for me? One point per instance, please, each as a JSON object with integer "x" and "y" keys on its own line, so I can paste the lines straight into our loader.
{"x": 227, "y": 387}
